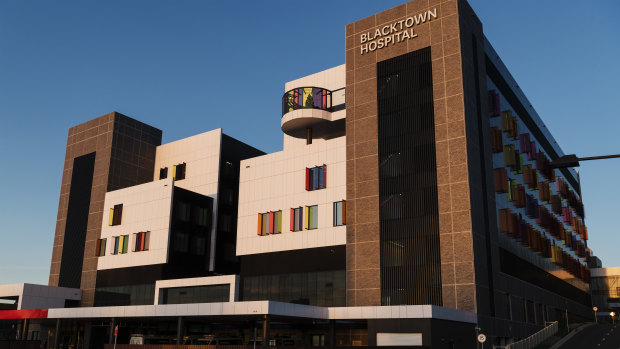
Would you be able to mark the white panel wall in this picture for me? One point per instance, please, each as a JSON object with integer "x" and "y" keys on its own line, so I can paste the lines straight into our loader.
{"x": 201, "y": 154}
{"x": 146, "y": 207}
{"x": 276, "y": 181}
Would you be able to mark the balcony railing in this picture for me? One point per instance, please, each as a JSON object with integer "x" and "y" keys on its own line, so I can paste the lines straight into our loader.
{"x": 306, "y": 98}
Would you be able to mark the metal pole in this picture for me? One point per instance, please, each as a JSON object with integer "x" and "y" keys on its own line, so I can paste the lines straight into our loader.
{"x": 254, "y": 336}
{"x": 57, "y": 334}
{"x": 595, "y": 318}
{"x": 567, "y": 328}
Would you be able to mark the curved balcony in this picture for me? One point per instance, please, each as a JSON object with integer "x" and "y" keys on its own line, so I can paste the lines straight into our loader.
{"x": 305, "y": 107}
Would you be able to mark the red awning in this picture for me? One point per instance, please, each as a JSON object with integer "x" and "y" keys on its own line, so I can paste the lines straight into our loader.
{"x": 23, "y": 314}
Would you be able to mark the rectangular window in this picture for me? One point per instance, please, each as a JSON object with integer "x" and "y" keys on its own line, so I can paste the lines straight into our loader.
{"x": 100, "y": 249}
{"x": 263, "y": 224}
{"x": 116, "y": 215}
{"x": 178, "y": 172}
{"x": 115, "y": 247}
{"x": 297, "y": 219}
{"x": 275, "y": 222}
{"x": 197, "y": 247}
{"x": 183, "y": 211}
{"x": 141, "y": 241}
{"x": 340, "y": 213}
{"x": 181, "y": 242}
{"x": 312, "y": 217}
{"x": 316, "y": 177}
{"x": 163, "y": 173}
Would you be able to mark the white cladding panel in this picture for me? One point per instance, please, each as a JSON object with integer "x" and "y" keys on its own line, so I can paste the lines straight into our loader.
{"x": 276, "y": 182}
{"x": 201, "y": 155}
{"x": 146, "y": 207}
{"x": 399, "y": 339}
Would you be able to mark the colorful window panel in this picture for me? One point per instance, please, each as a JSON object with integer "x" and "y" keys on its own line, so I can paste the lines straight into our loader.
{"x": 100, "y": 248}
{"x": 116, "y": 215}
{"x": 178, "y": 171}
{"x": 120, "y": 244}
{"x": 275, "y": 222}
{"x": 297, "y": 219}
{"x": 263, "y": 223}
{"x": 340, "y": 213}
{"x": 311, "y": 217}
{"x": 316, "y": 177}
{"x": 141, "y": 241}
{"x": 306, "y": 97}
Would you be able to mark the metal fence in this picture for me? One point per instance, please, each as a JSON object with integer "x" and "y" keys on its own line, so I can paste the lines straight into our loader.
{"x": 533, "y": 340}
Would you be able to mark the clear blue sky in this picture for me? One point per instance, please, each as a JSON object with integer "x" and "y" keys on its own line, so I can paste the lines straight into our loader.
{"x": 191, "y": 66}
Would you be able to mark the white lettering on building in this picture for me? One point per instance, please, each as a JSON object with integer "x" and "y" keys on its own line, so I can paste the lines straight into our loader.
{"x": 394, "y": 33}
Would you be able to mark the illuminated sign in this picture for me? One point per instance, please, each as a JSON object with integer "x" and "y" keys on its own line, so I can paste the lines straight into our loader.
{"x": 394, "y": 33}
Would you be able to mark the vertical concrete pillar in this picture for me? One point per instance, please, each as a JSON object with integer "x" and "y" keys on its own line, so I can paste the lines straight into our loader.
{"x": 111, "y": 338}
{"x": 266, "y": 319}
{"x": 332, "y": 334}
{"x": 87, "y": 331}
{"x": 179, "y": 330}
{"x": 57, "y": 333}
{"x": 25, "y": 329}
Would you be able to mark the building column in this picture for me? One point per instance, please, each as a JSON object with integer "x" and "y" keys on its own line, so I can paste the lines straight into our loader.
{"x": 25, "y": 329}
{"x": 87, "y": 329}
{"x": 332, "y": 334}
{"x": 111, "y": 338}
{"x": 179, "y": 330}
{"x": 266, "y": 319}
{"x": 57, "y": 333}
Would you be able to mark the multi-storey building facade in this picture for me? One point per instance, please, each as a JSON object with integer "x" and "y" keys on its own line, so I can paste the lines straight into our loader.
{"x": 412, "y": 203}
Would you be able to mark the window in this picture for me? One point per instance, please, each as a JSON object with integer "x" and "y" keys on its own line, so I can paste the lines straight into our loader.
{"x": 263, "y": 224}
{"x": 312, "y": 219}
{"x": 225, "y": 223}
{"x": 508, "y": 307}
{"x": 178, "y": 172}
{"x": 316, "y": 177}
{"x": 269, "y": 223}
{"x": 116, "y": 215}
{"x": 340, "y": 213}
{"x": 163, "y": 173}
{"x": 120, "y": 244}
{"x": 181, "y": 242}
{"x": 200, "y": 216}
{"x": 100, "y": 249}
{"x": 296, "y": 219}
{"x": 183, "y": 211}
{"x": 197, "y": 246}
{"x": 141, "y": 241}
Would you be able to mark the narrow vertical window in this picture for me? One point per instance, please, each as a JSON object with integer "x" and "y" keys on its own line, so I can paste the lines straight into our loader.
{"x": 163, "y": 173}
{"x": 116, "y": 241}
{"x": 116, "y": 215}
{"x": 178, "y": 172}
{"x": 264, "y": 223}
{"x": 125, "y": 243}
{"x": 316, "y": 178}
{"x": 277, "y": 222}
{"x": 312, "y": 220}
{"x": 297, "y": 222}
{"x": 339, "y": 213}
{"x": 100, "y": 249}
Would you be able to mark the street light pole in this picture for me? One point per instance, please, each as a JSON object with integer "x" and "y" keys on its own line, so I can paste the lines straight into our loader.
{"x": 573, "y": 161}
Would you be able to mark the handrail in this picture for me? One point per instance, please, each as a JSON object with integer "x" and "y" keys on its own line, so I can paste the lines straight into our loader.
{"x": 307, "y": 97}
{"x": 533, "y": 340}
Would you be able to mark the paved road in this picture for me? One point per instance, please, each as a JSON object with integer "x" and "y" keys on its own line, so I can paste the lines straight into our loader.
{"x": 604, "y": 336}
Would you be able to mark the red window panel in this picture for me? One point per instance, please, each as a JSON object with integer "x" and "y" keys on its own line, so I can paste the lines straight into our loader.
{"x": 260, "y": 224}
{"x": 270, "y": 222}
{"x": 307, "y": 178}
{"x": 292, "y": 219}
{"x": 142, "y": 236}
{"x": 324, "y": 176}
{"x": 98, "y": 247}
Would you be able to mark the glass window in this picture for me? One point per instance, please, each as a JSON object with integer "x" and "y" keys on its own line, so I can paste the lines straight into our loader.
{"x": 276, "y": 223}
{"x": 141, "y": 241}
{"x": 178, "y": 172}
{"x": 183, "y": 211}
{"x": 116, "y": 243}
{"x": 181, "y": 242}
{"x": 196, "y": 294}
{"x": 100, "y": 249}
{"x": 312, "y": 217}
{"x": 316, "y": 177}
{"x": 197, "y": 246}
{"x": 163, "y": 173}
{"x": 340, "y": 213}
{"x": 296, "y": 219}
{"x": 116, "y": 215}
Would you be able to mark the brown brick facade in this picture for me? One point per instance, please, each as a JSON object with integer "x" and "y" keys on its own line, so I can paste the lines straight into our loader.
{"x": 442, "y": 34}
{"x": 124, "y": 156}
